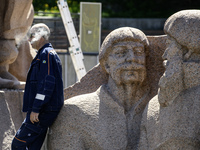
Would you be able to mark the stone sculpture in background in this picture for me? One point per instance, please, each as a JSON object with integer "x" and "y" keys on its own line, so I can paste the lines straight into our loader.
{"x": 171, "y": 120}
{"x": 20, "y": 66}
{"x": 16, "y": 18}
{"x": 110, "y": 117}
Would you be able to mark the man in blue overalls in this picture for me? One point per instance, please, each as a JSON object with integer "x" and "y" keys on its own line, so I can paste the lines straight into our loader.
{"x": 43, "y": 95}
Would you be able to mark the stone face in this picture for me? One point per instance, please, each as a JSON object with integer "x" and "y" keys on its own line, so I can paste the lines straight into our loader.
{"x": 16, "y": 17}
{"x": 97, "y": 77}
{"x": 96, "y": 118}
{"x": 171, "y": 118}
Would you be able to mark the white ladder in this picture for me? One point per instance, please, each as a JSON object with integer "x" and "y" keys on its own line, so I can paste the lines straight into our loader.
{"x": 75, "y": 49}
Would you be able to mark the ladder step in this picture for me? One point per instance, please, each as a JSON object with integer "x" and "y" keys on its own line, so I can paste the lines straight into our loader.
{"x": 75, "y": 50}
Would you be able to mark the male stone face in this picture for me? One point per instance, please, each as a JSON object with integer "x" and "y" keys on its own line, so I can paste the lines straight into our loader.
{"x": 171, "y": 83}
{"x": 127, "y": 63}
{"x": 172, "y": 54}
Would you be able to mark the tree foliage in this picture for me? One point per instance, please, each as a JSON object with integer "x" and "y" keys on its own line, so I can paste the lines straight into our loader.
{"x": 44, "y": 4}
{"x": 127, "y": 8}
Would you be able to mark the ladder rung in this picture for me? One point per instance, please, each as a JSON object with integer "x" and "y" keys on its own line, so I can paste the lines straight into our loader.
{"x": 75, "y": 50}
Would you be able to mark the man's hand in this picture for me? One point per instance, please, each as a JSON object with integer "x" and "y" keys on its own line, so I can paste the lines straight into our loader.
{"x": 34, "y": 117}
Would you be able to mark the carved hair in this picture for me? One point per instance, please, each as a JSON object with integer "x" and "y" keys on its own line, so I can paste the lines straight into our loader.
{"x": 184, "y": 27}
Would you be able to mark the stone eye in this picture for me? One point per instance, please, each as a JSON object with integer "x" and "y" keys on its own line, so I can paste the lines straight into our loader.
{"x": 120, "y": 54}
{"x": 138, "y": 51}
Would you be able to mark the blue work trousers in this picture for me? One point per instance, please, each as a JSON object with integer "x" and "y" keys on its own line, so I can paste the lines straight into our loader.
{"x": 31, "y": 136}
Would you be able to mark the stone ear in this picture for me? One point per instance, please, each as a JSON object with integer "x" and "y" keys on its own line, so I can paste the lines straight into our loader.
{"x": 107, "y": 67}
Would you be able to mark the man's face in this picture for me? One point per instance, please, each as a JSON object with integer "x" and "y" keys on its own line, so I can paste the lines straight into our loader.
{"x": 171, "y": 82}
{"x": 34, "y": 39}
{"x": 127, "y": 63}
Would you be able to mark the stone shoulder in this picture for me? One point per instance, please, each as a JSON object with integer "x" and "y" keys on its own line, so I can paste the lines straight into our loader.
{"x": 79, "y": 110}
{"x": 83, "y": 102}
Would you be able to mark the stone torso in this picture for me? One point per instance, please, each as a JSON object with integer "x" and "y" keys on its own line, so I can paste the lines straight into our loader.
{"x": 174, "y": 127}
{"x": 95, "y": 121}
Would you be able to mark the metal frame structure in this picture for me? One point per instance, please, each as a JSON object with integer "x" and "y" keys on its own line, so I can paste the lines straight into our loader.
{"x": 75, "y": 49}
{"x": 96, "y": 26}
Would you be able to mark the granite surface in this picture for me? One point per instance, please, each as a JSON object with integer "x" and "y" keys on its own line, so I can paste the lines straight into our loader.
{"x": 171, "y": 118}
{"x": 16, "y": 18}
{"x": 11, "y": 116}
{"x": 93, "y": 117}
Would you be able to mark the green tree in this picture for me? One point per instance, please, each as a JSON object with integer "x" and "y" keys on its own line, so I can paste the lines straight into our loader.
{"x": 44, "y": 4}
{"x": 127, "y": 8}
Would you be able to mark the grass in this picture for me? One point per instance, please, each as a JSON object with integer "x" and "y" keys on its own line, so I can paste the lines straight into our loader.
{"x": 48, "y": 13}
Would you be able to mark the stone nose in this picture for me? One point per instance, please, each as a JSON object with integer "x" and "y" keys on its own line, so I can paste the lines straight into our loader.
{"x": 131, "y": 56}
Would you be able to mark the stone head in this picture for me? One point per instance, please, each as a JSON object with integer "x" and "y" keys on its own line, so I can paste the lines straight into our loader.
{"x": 37, "y": 32}
{"x": 183, "y": 45}
{"x": 184, "y": 28}
{"x": 123, "y": 55}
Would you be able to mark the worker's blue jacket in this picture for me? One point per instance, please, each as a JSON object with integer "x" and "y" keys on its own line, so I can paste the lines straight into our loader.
{"x": 44, "y": 85}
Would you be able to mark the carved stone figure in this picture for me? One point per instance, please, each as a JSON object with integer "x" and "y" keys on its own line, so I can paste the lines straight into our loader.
{"x": 20, "y": 66}
{"x": 110, "y": 117}
{"x": 16, "y": 17}
{"x": 171, "y": 120}
{"x": 97, "y": 77}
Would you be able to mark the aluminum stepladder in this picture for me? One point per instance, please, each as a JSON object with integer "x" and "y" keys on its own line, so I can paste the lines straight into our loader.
{"x": 75, "y": 49}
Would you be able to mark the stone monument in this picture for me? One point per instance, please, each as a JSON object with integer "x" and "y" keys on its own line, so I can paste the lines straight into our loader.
{"x": 171, "y": 119}
{"x": 16, "y": 18}
{"x": 15, "y": 55}
{"x": 108, "y": 118}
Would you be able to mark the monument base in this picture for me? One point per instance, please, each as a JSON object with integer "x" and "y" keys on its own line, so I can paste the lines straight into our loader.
{"x": 11, "y": 115}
